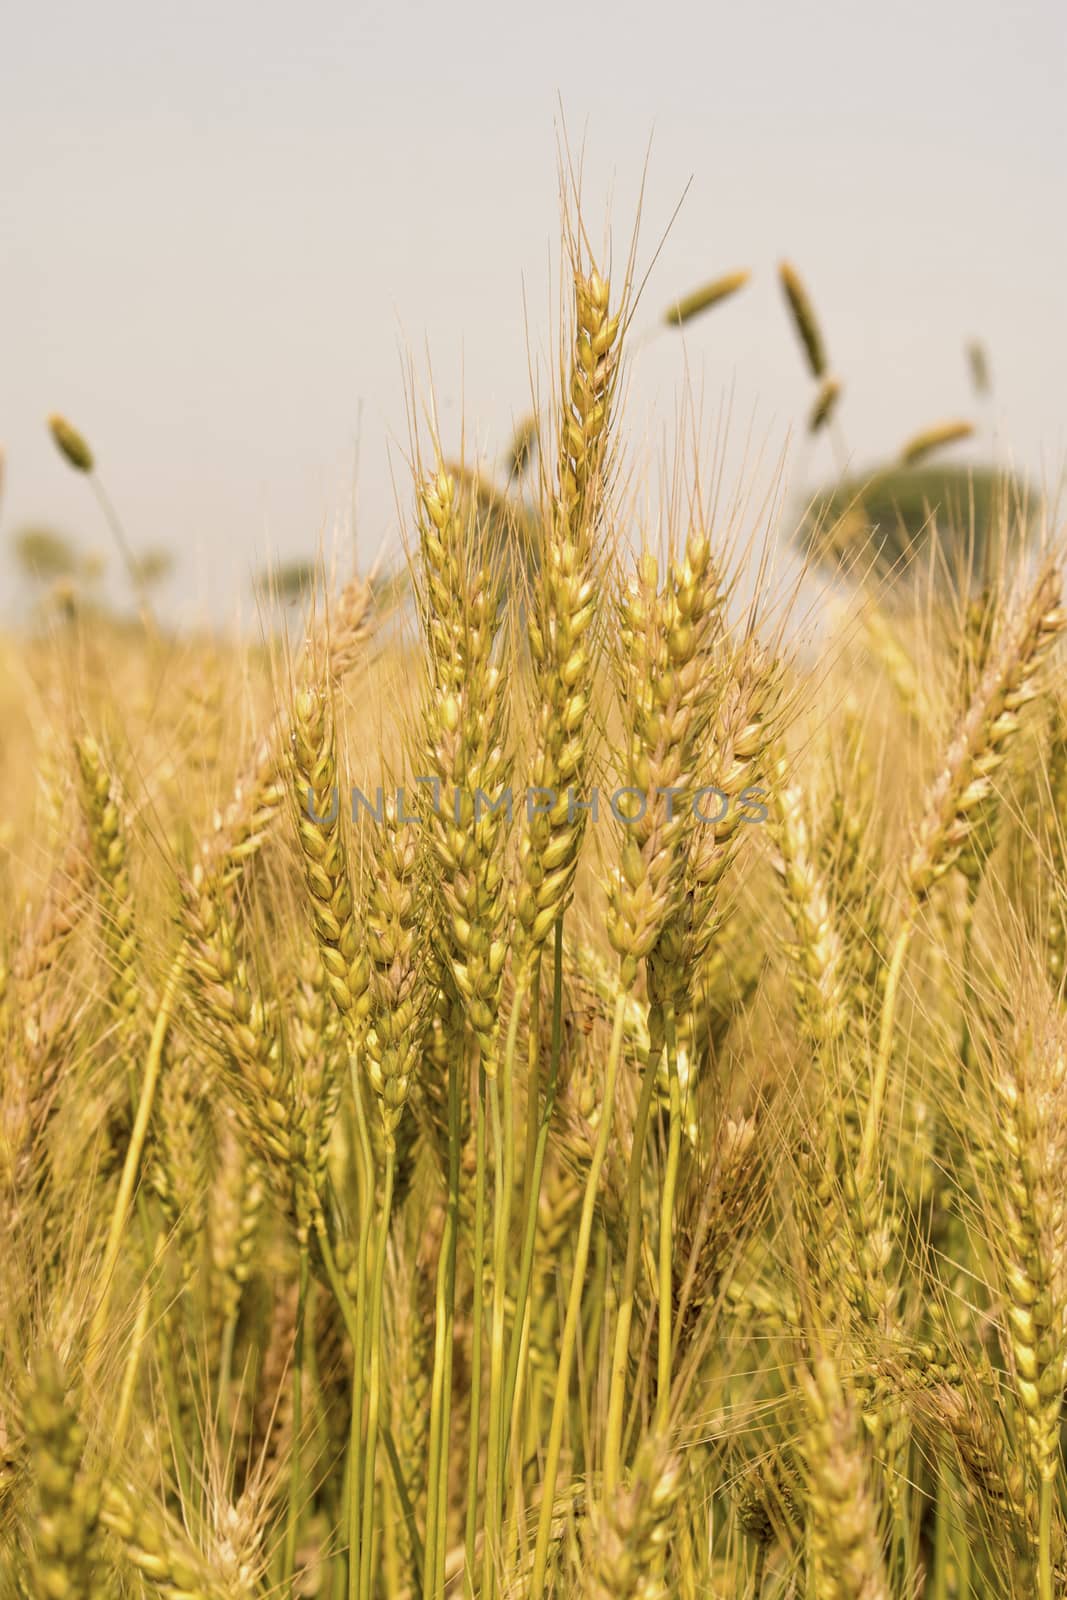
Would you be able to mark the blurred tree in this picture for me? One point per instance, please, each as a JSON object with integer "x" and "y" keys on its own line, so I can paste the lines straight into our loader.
{"x": 286, "y": 581}
{"x": 44, "y": 555}
{"x": 884, "y": 520}
{"x": 153, "y": 567}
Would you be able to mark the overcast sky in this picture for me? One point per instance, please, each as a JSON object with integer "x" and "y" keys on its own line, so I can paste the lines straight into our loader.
{"x": 224, "y": 228}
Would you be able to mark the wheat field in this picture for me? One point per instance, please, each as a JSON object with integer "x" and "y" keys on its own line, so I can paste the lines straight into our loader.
{"x": 548, "y": 1084}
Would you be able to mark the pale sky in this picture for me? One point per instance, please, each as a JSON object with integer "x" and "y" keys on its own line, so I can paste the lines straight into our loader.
{"x": 223, "y": 227}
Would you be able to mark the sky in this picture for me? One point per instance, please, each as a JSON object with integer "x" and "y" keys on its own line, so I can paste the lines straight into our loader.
{"x": 235, "y": 239}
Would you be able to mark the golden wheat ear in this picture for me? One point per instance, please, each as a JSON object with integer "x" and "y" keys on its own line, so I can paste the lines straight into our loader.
{"x": 846, "y": 1541}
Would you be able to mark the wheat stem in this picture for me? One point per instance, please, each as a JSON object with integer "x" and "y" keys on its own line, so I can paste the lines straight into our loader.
{"x": 620, "y": 1359}
{"x": 1044, "y": 1540}
{"x": 292, "y": 1518}
{"x": 519, "y": 1331}
{"x": 666, "y": 1224}
{"x": 574, "y": 1307}
{"x": 364, "y": 1173}
{"x": 137, "y": 1343}
{"x": 440, "y": 1386}
{"x": 229, "y": 1338}
{"x": 504, "y": 1158}
{"x": 375, "y": 1376}
{"x": 760, "y": 1572}
{"x": 134, "y": 1152}
{"x": 477, "y": 1317}
{"x": 942, "y": 1532}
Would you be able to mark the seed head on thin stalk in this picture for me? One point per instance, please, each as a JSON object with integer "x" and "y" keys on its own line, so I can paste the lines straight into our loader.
{"x": 849, "y": 854}
{"x": 958, "y": 801}
{"x": 237, "y": 1200}
{"x": 804, "y": 319}
{"x": 630, "y": 1534}
{"x": 1054, "y": 834}
{"x": 668, "y": 681}
{"x": 318, "y": 1046}
{"x": 239, "y": 832}
{"x": 817, "y": 964}
{"x": 30, "y": 1078}
{"x": 399, "y": 1000}
{"x": 702, "y": 299}
{"x": 74, "y": 449}
{"x": 319, "y": 824}
{"x": 67, "y": 1538}
{"x": 847, "y": 1547}
{"x": 882, "y": 639}
{"x": 180, "y": 1171}
{"x": 102, "y": 807}
{"x": 157, "y": 1547}
{"x": 924, "y": 444}
{"x": 258, "y": 1073}
{"x": 563, "y": 612}
{"x": 467, "y": 744}
{"x": 742, "y": 730}
{"x": 1023, "y": 1190}
{"x": 968, "y": 1417}
{"x": 721, "y": 1197}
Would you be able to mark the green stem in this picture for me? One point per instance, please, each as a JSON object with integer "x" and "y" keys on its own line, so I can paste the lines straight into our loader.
{"x": 351, "y": 1321}
{"x": 532, "y": 1194}
{"x": 942, "y": 1532}
{"x": 474, "y": 1429}
{"x": 406, "y": 1507}
{"x": 1044, "y": 1541}
{"x": 440, "y": 1385}
{"x": 391, "y": 1555}
{"x": 364, "y": 1173}
{"x": 375, "y": 1383}
{"x": 533, "y": 1067}
{"x": 137, "y": 1343}
{"x": 229, "y": 1337}
{"x": 339, "y": 1565}
{"x": 967, "y": 1060}
{"x": 761, "y": 1568}
{"x": 189, "y": 1481}
{"x": 292, "y": 1519}
{"x": 574, "y": 1308}
{"x": 666, "y": 1226}
{"x": 134, "y": 1151}
{"x": 620, "y": 1356}
{"x": 503, "y": 1148}
{"x": 962, "y": 1544}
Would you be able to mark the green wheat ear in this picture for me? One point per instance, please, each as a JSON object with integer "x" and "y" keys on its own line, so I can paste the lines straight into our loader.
{"x": 825, "y": 404}
{"x": 70, "y": 443}
{"x": 702, "y": 299}
{"x": 804, "y": 319}
{"x": 978, "y": 366}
